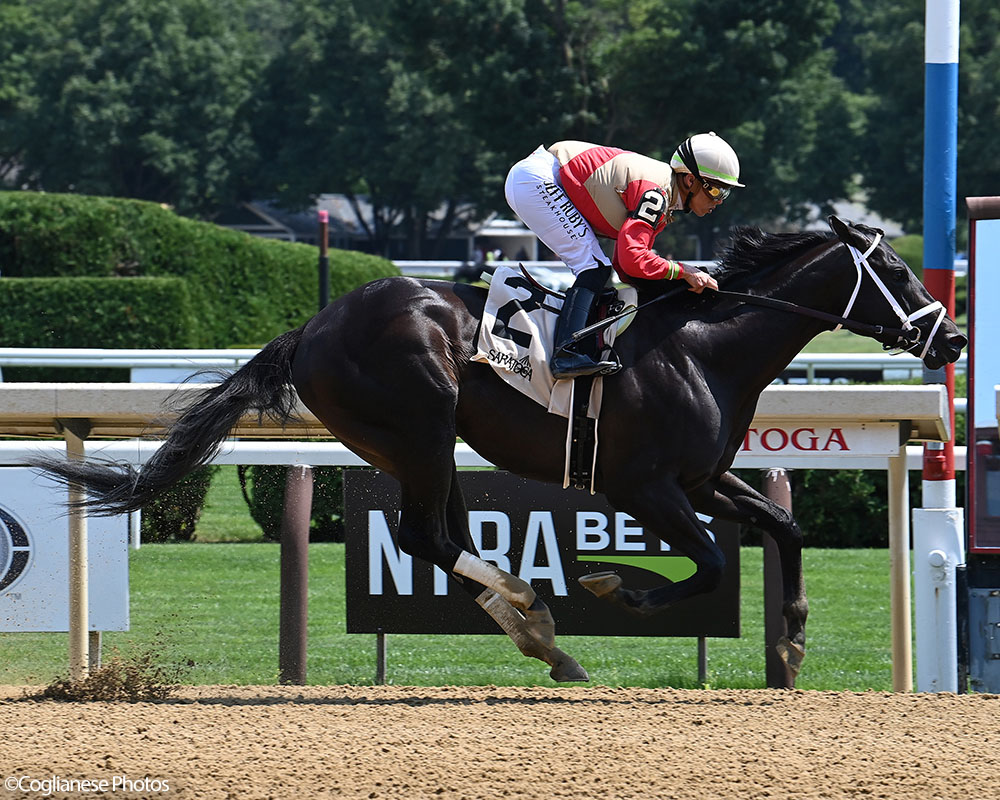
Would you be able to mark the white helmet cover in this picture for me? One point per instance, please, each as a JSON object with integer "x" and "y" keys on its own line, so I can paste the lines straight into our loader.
{"x": 708, "y": 156}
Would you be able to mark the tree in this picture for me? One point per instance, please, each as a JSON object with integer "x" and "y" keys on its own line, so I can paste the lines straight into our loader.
{"x": 20, "y": 29}
{"x": 757, "y": 73}
{"x": 139, "y": 98}
{"x": 888, "y": 43}
{"x": 418, "y": 105}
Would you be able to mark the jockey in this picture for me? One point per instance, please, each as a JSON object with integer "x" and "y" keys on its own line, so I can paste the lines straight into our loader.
{"x": 572, "y": 192}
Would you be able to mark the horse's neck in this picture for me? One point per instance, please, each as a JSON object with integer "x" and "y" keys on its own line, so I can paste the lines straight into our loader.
{"x": 750, "y": 346}
{"x": 817, "y": 282}
{"x": 754, "y": 347}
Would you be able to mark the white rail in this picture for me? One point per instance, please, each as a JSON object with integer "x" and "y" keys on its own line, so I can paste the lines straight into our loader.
{"x": 15, "y": 453}
{"x": 449, "y": 268}
{"x": 177, "y": 365}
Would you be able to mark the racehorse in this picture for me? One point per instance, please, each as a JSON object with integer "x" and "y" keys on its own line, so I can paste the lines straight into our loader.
{"x": 387, "y": 369}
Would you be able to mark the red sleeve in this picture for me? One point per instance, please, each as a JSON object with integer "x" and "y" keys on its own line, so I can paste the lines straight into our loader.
{"x": 648, "y": 214}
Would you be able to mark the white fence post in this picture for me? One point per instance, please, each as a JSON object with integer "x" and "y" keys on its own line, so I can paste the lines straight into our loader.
{"x": 937, "y": 550}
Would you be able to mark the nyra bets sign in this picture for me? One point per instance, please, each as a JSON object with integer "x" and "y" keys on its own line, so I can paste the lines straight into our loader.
{"x": 544, "y": 534}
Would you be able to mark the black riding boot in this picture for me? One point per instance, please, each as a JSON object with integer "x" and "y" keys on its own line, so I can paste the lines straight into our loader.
{"x": 566, "y": 362}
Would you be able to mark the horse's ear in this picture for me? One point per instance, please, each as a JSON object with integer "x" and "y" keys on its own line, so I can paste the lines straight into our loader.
{"x": 847, "y": 233}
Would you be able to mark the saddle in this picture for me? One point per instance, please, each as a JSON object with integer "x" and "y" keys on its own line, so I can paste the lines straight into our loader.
{"x": 516, "y": 337}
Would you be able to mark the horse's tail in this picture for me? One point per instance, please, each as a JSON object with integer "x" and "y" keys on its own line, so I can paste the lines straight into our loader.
{"x": 262, "y": 385}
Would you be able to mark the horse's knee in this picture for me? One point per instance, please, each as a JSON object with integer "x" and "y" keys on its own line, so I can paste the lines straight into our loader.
{"x": 785, "y": 530}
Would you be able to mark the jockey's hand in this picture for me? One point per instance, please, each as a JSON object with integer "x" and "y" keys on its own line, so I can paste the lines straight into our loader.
{"x": 698, "y": 280}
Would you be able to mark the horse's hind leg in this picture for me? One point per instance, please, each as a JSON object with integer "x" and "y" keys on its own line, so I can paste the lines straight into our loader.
{"x": 532, "y": 629}
{"x": 731, "y": 499}
{"x": 434, "y": 526}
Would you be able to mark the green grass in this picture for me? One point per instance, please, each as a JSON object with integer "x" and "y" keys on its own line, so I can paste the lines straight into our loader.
{"x": 842, "y": 342}
{"x": 225, "y": 517}
{"x": 217, "y": 605}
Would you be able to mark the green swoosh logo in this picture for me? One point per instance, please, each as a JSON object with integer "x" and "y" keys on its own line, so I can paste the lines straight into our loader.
{"x": 673, "y": 568}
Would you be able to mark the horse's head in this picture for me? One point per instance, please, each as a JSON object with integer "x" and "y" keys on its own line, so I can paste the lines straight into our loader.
{"x": 889, "y": 294}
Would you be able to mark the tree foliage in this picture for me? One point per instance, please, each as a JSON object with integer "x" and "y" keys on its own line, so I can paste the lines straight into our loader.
{"x": 882, "y": 45}
{"x": 417, "y": 104}
{"x": 136, "y": 98}
{"x": 420, "y": 106}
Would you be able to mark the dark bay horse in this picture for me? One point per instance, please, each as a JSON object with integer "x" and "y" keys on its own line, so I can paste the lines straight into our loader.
{"x": 387, "y": 370}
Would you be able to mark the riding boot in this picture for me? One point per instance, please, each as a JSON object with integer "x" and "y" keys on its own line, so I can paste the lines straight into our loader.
{"x": 566, "y": 361}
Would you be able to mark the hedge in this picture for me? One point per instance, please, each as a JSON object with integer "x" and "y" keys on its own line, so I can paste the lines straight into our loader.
{"x": 242, "y": 289}
{"x": 97, "y": 312}
{"x": 173, "y": 516}
{"x": 110, "y": 272}
{"x": 264, "y": 490}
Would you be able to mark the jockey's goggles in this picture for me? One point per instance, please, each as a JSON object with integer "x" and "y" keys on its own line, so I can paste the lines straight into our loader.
{"x": 715, "y": 191}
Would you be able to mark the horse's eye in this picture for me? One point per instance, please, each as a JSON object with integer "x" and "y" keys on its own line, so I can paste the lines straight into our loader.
{"x": 899, "y": 275}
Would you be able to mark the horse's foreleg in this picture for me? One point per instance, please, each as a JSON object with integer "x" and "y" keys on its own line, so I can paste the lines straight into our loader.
{"x": 663, "y": 510}
{"x": 730, "y": 498}
{"x": 525, "y": 635}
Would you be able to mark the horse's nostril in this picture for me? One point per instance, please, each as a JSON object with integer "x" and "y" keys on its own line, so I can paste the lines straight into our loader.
{"x": 958, "y": 341}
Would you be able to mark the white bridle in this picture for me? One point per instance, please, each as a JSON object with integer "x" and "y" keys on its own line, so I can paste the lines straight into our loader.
{"x": 862, "y": 265}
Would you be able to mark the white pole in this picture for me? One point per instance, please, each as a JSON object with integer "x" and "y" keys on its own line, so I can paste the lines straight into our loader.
{"x": 79, "y": 621}
{"x": 937, "y": 551}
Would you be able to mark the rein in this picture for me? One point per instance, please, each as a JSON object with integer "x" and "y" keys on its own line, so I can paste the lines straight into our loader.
{"x": 907, "y": 336}
{"x": 860, "y": 328}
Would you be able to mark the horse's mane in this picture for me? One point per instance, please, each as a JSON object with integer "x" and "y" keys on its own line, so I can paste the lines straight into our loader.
{"x": 751, "y": 250}
{"x": 750, "y": 253}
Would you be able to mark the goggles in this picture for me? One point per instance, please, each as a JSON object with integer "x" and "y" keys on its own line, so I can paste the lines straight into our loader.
{"x": 715, "y": 191}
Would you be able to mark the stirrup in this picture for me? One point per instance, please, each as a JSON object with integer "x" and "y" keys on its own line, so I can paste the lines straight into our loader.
{"x": 578, "y": 365}
{"x": 615, "y": 367}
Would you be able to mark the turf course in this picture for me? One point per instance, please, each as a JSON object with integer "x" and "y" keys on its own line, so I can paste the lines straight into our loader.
{"x": 217, "y": 605}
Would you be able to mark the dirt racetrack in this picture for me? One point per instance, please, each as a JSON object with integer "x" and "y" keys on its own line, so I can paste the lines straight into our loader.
{"x": 489, "y": 742}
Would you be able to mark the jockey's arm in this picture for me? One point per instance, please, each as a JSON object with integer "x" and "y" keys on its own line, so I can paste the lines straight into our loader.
{"x": 633, "y": 248}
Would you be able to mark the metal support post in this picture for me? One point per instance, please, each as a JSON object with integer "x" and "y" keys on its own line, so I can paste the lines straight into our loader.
{"x": 294, "y": 600}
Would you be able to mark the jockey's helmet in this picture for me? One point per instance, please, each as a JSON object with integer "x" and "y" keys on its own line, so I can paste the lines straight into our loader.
{"x": 708, "y": 156}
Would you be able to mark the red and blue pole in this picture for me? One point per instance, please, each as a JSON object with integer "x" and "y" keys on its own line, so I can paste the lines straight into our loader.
{"x": 940, "y": 165}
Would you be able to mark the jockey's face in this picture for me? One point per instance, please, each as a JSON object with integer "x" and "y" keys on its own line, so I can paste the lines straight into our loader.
{"x": 701, "y": 202}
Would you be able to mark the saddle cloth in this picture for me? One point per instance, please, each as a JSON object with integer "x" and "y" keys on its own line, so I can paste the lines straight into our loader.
{"x": 516, "y": 337}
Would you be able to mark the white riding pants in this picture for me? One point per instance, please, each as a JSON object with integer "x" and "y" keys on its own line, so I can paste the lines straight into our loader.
{"x": 535, "y": 193}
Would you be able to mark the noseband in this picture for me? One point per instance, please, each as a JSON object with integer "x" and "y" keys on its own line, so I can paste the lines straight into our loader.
{"x": 909, "y": 339}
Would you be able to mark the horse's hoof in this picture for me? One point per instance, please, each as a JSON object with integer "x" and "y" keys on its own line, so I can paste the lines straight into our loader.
{"x": 791, "y": 653}
{"x": 600, "y": 584}
{"x": 566, "y": 669}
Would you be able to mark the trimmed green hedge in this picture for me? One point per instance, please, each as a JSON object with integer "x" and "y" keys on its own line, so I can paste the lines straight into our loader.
{"x": 97, "y": 312}
{"x": 173, "y": 516}
{"x": 264, "y": 490}
{"x": 241, "y": 289}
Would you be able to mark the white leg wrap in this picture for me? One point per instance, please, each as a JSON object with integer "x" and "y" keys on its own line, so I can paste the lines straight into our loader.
{"x": 512, "y": 623}
{"x": 564, "y": 667}
{"x": 516, "y": 591}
